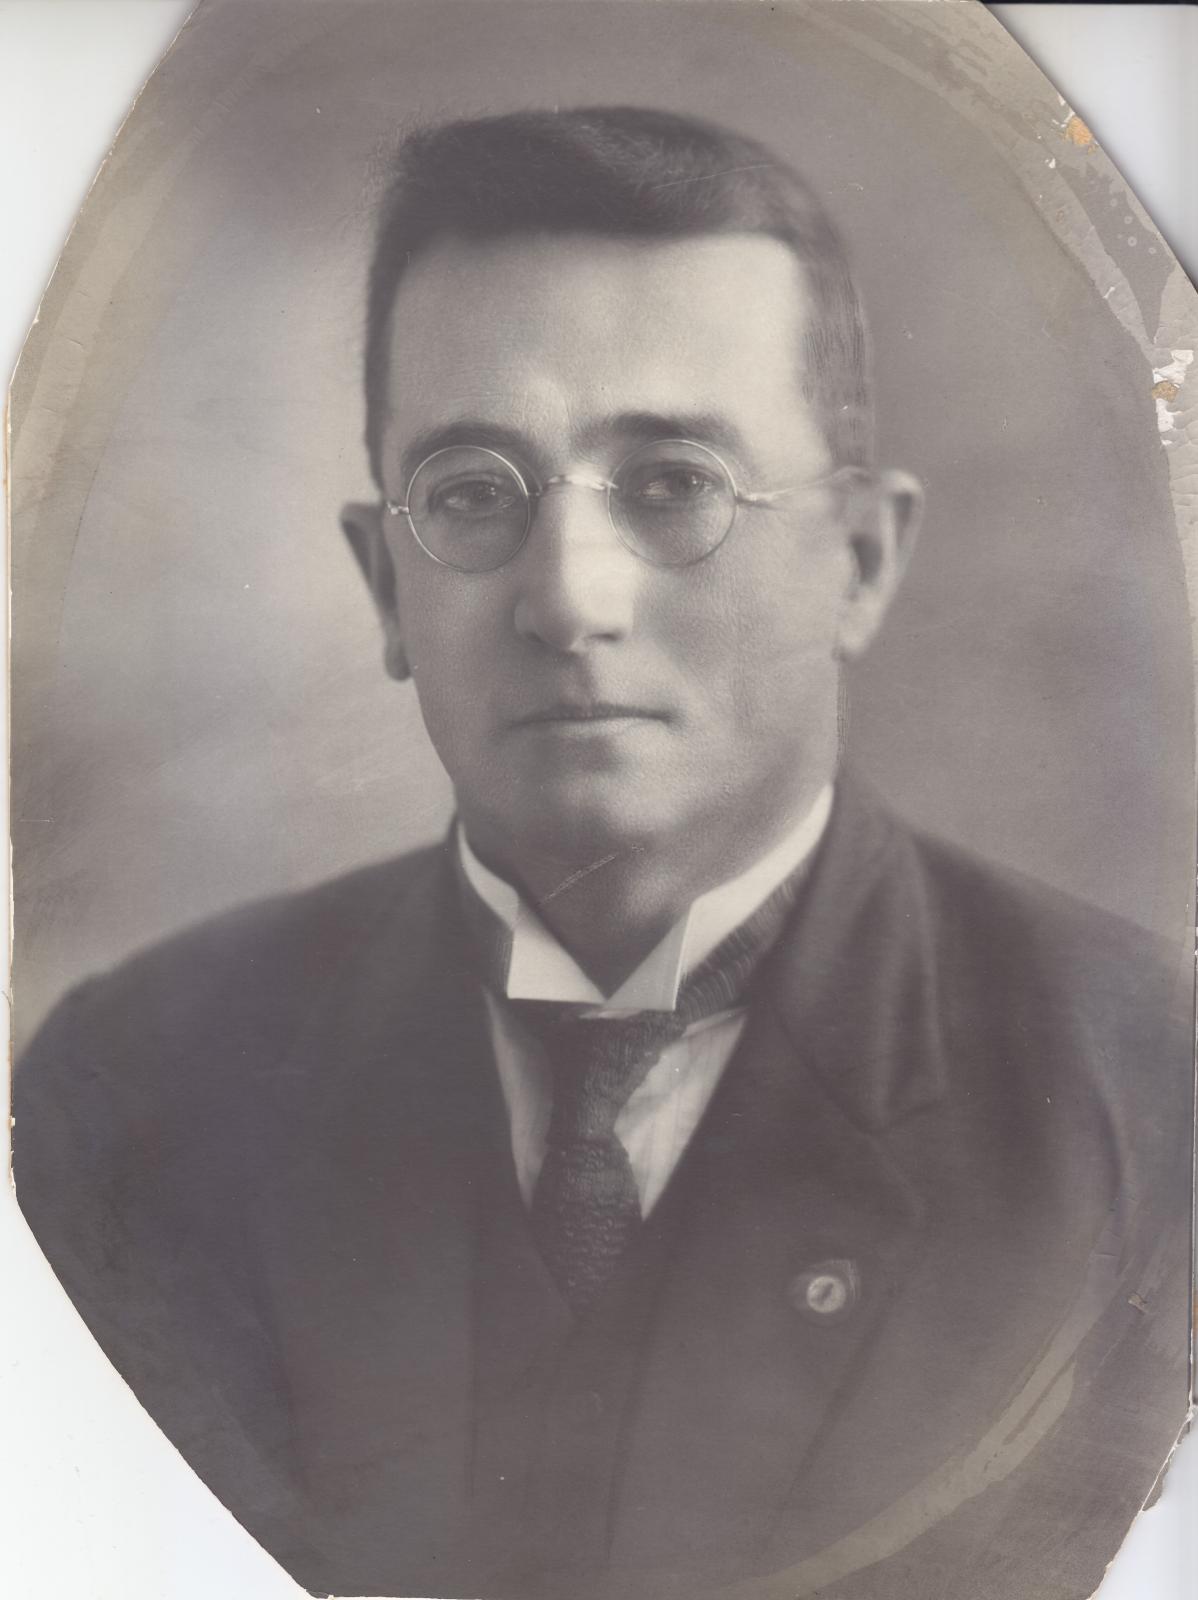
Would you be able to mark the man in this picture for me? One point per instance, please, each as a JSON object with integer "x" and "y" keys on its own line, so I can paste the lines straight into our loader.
{"x": 685, "y": 1179}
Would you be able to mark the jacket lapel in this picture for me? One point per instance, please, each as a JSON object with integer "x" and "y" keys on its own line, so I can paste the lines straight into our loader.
{"x": 794, "y": 1224}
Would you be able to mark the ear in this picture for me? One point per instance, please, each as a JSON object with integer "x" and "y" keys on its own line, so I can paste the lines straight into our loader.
{"x": 882, "y": 516}
{"x": 362, "y": 525}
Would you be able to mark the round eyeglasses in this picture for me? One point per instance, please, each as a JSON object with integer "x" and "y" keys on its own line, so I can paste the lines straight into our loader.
{"x": 671, "y": 502}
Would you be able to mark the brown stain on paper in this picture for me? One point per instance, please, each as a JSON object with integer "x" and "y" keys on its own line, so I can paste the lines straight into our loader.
{"x": 1077, "y": 133}
{"x": 1165, "y": 390}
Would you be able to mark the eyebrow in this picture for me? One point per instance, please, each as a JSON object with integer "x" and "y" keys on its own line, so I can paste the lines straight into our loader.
{"x": 463, "y": 430}
{"x": 704, "y": 427}
{"x": 628, "y": 427}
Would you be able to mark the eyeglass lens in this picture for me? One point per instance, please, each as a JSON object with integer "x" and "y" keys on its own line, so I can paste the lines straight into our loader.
{"x": 671, "y": 502}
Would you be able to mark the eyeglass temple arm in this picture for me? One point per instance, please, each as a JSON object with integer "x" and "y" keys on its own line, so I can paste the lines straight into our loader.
{"x": 766, "y": 497}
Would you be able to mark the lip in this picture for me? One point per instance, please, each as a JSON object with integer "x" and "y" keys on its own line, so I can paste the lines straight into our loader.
{"x": 586, "y": 713}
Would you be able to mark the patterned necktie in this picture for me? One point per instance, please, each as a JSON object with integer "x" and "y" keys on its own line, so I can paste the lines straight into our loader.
{"x": 586, "y": 1206}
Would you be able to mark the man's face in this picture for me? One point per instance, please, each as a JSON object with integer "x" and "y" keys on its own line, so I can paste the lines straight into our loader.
{"x": 584, "y": 701}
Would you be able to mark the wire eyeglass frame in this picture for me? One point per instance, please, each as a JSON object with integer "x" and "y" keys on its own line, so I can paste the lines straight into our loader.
{"x": 533, "y": 491}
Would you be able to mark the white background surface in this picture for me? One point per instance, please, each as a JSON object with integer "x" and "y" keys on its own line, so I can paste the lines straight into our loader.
{"x": 94, "y": 1504}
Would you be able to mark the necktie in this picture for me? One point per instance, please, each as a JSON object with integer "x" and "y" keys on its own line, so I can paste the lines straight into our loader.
{"x": 586, "y": 1208}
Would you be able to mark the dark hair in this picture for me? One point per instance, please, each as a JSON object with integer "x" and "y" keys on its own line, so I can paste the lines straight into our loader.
{"x": 622, "y": 172}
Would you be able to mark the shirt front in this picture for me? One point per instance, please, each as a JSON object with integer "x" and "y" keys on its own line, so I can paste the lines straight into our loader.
{"x": 663, "y": 1112}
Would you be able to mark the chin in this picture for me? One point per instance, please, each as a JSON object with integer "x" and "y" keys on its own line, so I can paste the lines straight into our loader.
{"x": 580, "y": 822}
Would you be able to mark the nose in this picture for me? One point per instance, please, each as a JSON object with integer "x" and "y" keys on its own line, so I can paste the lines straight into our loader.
{"x": 577, "y": 583}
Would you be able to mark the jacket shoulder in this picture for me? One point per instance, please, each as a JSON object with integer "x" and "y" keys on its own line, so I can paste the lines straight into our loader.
{"x": 230, "y": 989}
{"x": 1064, "y": 990}
{"x": 1036, "y": 936}
{"x": 279, "y": 938}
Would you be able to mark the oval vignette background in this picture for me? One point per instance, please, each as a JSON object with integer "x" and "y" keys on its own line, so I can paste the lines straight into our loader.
{"x": 200, "y": 714}
{"x": 109, "y": 935}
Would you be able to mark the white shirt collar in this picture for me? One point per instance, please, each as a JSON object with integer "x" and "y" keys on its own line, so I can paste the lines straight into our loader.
{"x": 541, "y": 969}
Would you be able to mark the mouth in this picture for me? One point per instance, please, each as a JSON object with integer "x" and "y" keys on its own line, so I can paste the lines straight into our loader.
{"x": 588, "y": 713}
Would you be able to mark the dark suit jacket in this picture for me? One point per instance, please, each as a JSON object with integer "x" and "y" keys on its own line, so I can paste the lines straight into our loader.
{"x": 257, "y": 1157}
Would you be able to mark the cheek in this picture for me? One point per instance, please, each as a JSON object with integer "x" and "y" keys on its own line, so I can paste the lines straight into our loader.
{"x": 763, "y": 632}
{"x": 445, "y": 618}
{"x": 451, "y": 639}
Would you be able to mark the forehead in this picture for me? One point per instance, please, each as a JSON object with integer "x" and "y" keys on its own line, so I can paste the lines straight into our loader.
{"x": 556, "y": 338}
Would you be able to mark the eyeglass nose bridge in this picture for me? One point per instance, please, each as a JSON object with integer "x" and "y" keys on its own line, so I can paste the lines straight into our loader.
{"x": 580, "y": 480}
{"x": 536, "y": 492}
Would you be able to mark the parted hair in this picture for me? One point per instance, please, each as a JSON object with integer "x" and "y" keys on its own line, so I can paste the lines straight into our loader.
{"x": 621, "y": 172}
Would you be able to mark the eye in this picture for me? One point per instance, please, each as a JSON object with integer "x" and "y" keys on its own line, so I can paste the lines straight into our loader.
{"x": 473, "y": 497}
{"x": 671, "y": 484}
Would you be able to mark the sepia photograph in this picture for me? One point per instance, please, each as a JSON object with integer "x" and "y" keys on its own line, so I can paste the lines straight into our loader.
{"x": 603, "y": 809}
